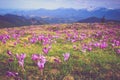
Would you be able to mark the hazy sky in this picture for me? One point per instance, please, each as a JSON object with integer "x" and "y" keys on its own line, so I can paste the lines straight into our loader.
{"x": 53, "y": 4}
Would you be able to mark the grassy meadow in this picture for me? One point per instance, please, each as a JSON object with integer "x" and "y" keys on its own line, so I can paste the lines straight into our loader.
{"x": 78, "y": 51}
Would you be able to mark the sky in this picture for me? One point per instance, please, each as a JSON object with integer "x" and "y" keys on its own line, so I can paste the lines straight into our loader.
{"x": 54, "y": 4}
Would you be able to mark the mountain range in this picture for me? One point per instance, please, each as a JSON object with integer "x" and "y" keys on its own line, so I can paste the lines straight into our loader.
{"x": 70, "y": 13}
{"x": 62, "y": 15}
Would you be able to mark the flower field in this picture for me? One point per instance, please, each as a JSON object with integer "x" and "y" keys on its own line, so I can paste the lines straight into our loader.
{"x": 78, "y": 51}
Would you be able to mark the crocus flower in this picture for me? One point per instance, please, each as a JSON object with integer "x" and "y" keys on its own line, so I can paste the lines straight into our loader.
{"x": 84, "y": 48}
{"x": 7, "y": 37}
{"x": 74, "y": 47}
{"x": 40, "y": 37}
{"x": 21, "y": 58}
{"x": 46, "y": 50}
{"x": 46, "y": 41}
{"x": 73, "y": 40}
{"x": 89, "y": 48}
{"x": 16, "y": 36}
{"x": 97, "y": 44}
{"x": 113, "y": 44}
{"x": 66, "y": 56}
{"x": 33, "y": 40}
{"x": 57, "y": 60}
{"x": 11, "y": 74}
{"x": 15, "y": 43}
{"x": 9, "y": 52}
{"x": 4, "y": 38}
{"x": 4, "y": 41}
{"x": 118, "y": 51}
{"x": 41, "y": 62}
{"x": 40, "y": 65}
{"x": 82, "y": 36}
{"x": 10, "y": 60}
{"x": 117, "y": 43}
{"x": 103, "y": 45}
{"x": 35, "y": 57}
{"x": 40, "y": 59}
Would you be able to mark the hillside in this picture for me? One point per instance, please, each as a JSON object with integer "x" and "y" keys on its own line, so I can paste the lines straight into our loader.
{"x": 79, "y": 51}
{"x": 10, "y": 20}
{"x": 96, "y": 20}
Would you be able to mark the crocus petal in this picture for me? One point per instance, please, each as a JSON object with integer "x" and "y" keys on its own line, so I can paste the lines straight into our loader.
{"x": 40, "y": 65}
{"x": 66, "y": 56}
{"x": 35, "y": 57}
{"x": 9, "y": 52}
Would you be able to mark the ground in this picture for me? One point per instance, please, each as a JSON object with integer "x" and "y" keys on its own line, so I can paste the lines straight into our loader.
{"x": 93, "y": 48}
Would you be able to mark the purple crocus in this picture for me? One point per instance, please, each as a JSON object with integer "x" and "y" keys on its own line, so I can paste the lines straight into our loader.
{"x": 9, "y": 52}
{"x": 3, "y": 41}
{"x": 4, "y": 38}
{"x": 33, "y": 40}
{"x": 84, "y": 48}
{"x": 116, "y": 42}
{"x": 66, "y": 56}
{"x": 73, "y": 40}
{"x": 11, "y": 74}
{"x": 35, "y": 57}
{"x": 10, "y": 60}
{"x": 40, "y": 59}
{"x": 40, "y": 65}
{"x": 57, "y": 60}
{"x": 16, "y": 36}
{"x": 40, "y": 37}
{"x": 46, "y": 50}
{"x": 21, "y": 58}
{"x": 89, "y": 48}
{"x": 74, "y": 47}
{"x": 97, "y": 44}
{"x": 103, "y": 45}
{"x": 46, "y": 41}
{"x": 118, "y": 51}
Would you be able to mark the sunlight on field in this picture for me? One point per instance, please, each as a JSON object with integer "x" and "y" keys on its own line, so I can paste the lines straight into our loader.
{"x": 78, "y": 51}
